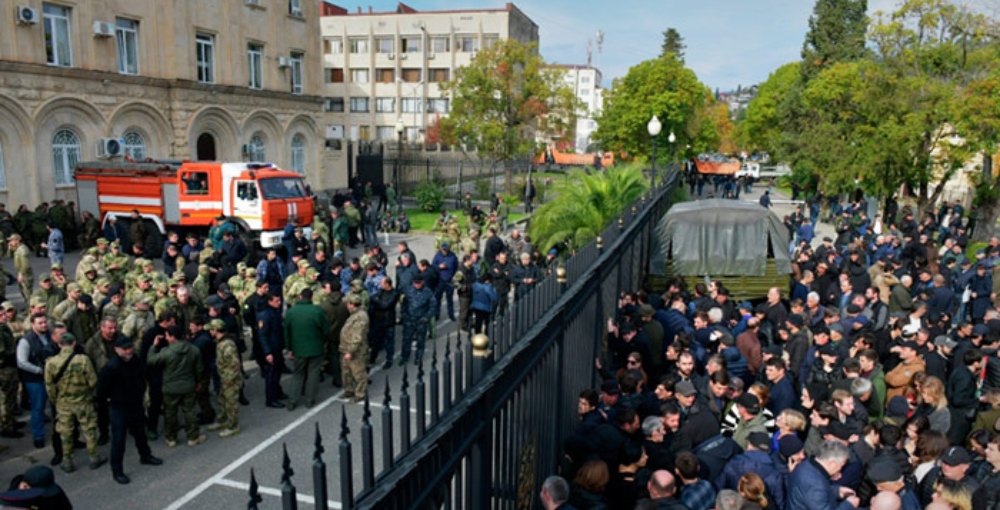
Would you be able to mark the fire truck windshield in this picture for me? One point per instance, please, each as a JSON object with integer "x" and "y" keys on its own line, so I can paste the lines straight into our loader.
{"x": 283, "y": 187}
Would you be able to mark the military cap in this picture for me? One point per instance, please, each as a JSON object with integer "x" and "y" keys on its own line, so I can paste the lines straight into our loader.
{"x": 147, "y": 300}
{"x": 302, "y": 263}
{"x": 144, "y": 278}
{"x": 215, "y": 325}
{"x": 67, "y": 337}
{"x": 7, "y": 305}
{"x": 203, "y": 268}
{"x": 241, "y": 266}
{"x": 87, "y": 268}
{"x": 36, "y": 301}
{"x": 116, "y": 244}
{"x": 357, "y": 284}
{"x": 209, "y": 243}
{"x": 103, "y": 282}
{"x": 178, "y": 277}
{"x": 161, "y": 286}
{"x": 225, "y": 290}
{"x": 73, "y": 287}
{"x": 15, "y": 237}
{"x": 46, "y": 277}
{"x": 311, "y": 272}
{"x": 354, "y": 299}
{"x": 57, "y": 267}
{"x": 251, "y": 272}
{"x": 646, "y": 310}
{"x": 123, "y": 342}
{"x": 102, "y": 241}
{"x": 145, "y": 263}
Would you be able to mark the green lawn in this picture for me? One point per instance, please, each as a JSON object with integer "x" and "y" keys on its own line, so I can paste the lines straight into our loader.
{"x": 421, "y": 221}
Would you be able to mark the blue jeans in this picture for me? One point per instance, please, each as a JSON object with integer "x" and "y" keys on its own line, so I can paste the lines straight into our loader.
{"x": 39, "y": 401}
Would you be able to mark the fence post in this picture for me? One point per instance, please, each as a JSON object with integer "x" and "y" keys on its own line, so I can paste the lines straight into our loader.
{"x": 459, "y": 372}
{"x": 446, "y": 369}
{"x": 435, "y": 382}
{"x": 481, "y": 455}
{"x": 289, "y": 501}
{"x": 387, "y": 456}
{"x": 319, "y": 472}
{"x": 421, "y": 399}
{"x": 404, "y": 413}
{"x": 255, "y": 496}
{"x": 346, "y": 475}
{"x": 367, "y": 448}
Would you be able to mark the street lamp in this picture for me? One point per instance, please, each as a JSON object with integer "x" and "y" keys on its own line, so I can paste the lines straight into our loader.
{"x": 654, "y": 127}
{"x": 400, "y": 127}
{"x": 671, "y": 139}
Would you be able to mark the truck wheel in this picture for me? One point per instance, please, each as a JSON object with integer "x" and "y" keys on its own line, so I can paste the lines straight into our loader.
{"x": 154, "y": 240}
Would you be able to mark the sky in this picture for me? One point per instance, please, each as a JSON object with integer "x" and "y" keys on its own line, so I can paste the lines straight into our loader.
{"x": 729, "y": 42}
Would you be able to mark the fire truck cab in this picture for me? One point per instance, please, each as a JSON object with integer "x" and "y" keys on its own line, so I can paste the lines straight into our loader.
{"x": 187, "y": 196}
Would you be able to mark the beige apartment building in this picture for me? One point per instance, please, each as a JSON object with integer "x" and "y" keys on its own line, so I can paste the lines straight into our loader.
{"x": 380, "y": 68}
{"x": 203, "y": 80}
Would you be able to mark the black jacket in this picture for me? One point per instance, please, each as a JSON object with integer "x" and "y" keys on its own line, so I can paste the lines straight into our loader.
{"x": 123, "y": 384}
{"x": 699, "y": 426}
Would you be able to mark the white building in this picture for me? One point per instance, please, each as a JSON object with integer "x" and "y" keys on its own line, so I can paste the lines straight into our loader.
{"x": 585, "y": 81}
{"x": 382, "y": 67}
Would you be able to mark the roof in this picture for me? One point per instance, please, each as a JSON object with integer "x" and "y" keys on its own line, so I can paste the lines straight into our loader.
{"x": 330, "y": 9}
{"x": 723, "y": 237}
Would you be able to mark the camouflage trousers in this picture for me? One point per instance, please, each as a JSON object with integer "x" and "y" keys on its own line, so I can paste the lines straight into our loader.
{"x": 68, "y": 416}
{"x": 8, "y": 397}
{"x": 27, "y": 285}
{"x": 356, "y": 376}
{"x": 185, "y": 403}
{"x": 229, "y": 404}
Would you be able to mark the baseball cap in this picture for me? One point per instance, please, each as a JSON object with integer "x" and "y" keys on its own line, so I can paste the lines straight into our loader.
{"x": 897, "y": 407}
{"x": 828, "y": 350}
{"x": 910, "y": 329}
{"x": 746, "y": 305}
{"x": 945, "y": 341}
{"x": 214, "y": 302}
{"x": 790, "y": 445}
{"x": 750, "y": 402}
{"x": 956, "y": 455}
{"x": 796, "y": 320}
{"x": 980, "y": 330}
{"x": 821, "y": 329}
{"x": 123, "y": 342}
{"x": 760, "y": 441}
{"x": 910, "y": 344}
{"x": 884, "y": 470}
{"x": 685, "y": 388}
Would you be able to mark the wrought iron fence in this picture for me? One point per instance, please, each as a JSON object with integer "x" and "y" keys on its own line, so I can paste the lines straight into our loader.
{"x": 491, "y": 411}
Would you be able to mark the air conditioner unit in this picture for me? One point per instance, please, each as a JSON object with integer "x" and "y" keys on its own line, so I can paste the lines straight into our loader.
{"x": 430, "y": 56}
{"x": 284, "y": 62}
{"x": 392, "y": 56}
{"x": 111, "y": 147}
{"x": 26, "y": 15}
{"x": 402, "y": 56}
{"x": 104, "y": 29}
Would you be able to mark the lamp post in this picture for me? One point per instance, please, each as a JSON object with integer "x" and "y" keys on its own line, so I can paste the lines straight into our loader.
{"x": 653, "y": 127}
{"x": 672, "y": 139}
{"x": 400, "y": 127}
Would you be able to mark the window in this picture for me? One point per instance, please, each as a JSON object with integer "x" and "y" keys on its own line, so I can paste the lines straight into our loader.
{"x": 585, "y": 79}
{"x": 440, "y": 44}
{"x": 135, "y": 145}
{"x": 437, "y": 106}
{"x": 359, "y": 104}
{"x": 127, "y": 37}
{"x": 3, "y": 173}
{"x": 205, "y": 49}
{"x": 295, "y": 7}
{"x": 439, "y": 75}
{"x": 334, "y": 104}
{"x": 364, "y": 133}
{"x": 255, "y": 149}
{"x": 412, "y": 133}
{"x": 384, "y": 45}
{"x": 276, "y": 188}
{"x": 65, "y": 155}
{"x": 255, "y": 53}
{"x": 333, "y": 45}
{"x": 195, "y": 183}
{"x": 490, "y": 40}
{"x": 296, "y": 71}
{"x": 385, "y": 132}
{"x": 385, "y": 75}
{"x": 246, "y": 191}
{"x": 359, "y": 76}
{"x": 57, "y": 35}
{"x": 299, "y": 154}
{"x": 385, "y": 104}
{"x": 359, "y": 45}
{"x": 466, "y": 43}
{"x": 411, "y": 75}
{"x": 411, "y": 44}
{"x": 584, "y": 92}
{"x": 334, "y": 75}
{"x": 411, "y": 104}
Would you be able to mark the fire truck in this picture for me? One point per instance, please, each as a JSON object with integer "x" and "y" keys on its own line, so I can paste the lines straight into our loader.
{"x": 185, "y": 196}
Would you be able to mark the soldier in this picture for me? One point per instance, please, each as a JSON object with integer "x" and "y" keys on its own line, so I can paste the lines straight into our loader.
{"x": 6, "y": 228}
{"x": 137, "y": 229}
{"x": 140, "y": 319}
{"x": 181, "y": 362}
{"x": 91, "y": 230}
{"x": 143, "y": 289}
{"x": 22, "y": 264}
{"x": 8, "y": 375}
{"x": 102, "y": 291}
{"x": 200, "y": 286}
{"x": 305, "y": 333}
{"x": 354, "y": 349}
{"x": 70, "y": 381}
{"x": 353, "y": 216}
{"x": 463, "y": 280}
{"x": 271, "y": 341}
{"x": 116, "y": 263}
{"x": 335, "y": 309}
{"x": 48, "y": 293}
{"x": 231, "y": 377}
{"x": 115, "y": 307}
{"x": 293, "y": 279}
{"x": 339, "y": 231}
{"x": 81, "y": 319}
{"x": 87, "y": 278}
{"x": 417, "y": 310}
{"x": 62, "y": 308}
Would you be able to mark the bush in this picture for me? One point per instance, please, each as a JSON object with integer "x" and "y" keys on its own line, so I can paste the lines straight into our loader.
{"x": 431, "y": 195}
{"x": 511, "y": 200}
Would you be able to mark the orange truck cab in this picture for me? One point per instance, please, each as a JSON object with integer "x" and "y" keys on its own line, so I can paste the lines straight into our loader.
{"x": 188, "y": 196}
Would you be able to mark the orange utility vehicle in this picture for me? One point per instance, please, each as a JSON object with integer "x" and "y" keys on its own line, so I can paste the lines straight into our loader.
{"x": 259, "y": 198}
{"x": 552, "y": 156}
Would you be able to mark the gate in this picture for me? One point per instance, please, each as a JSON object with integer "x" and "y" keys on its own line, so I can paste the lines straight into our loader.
{"x": 491, "y": 416}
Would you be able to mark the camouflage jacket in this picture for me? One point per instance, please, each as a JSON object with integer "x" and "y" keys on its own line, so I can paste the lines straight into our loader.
{"x": 227, "y": 360}
{"x": 77, "y": 383}
{"x": 8, "y": 347}
{"x": 22, "y": 261}
{"x": 354, "y": 335}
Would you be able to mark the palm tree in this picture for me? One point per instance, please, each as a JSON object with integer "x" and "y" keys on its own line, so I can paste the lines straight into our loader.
{"x": 584, "y": 204}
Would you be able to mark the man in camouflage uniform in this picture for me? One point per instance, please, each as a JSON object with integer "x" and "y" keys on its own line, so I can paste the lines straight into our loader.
{"x": 48, "y": 293}
{"x": 62, "y": 308}
{"x": 294, "y": 279}
{"x": 70, "y": 380}
{"x": 339, "y": 231}
{"x": 22, "y": 264}
{"x": 354, "y": 349}
{"x": 417, "y": 311}
{"x": 228, "y": 365}
{"x": 116, "y": 263}
{"x": 139, "y": 320}
{"x": 91, "y": 230}
{"x": 87, "y": 279}
{"x": 335, "y": 309}
{"x": 200, "y": 286}
{"x": 116, "y": 306}
{"x": 181, "y": 362}
{"x": 143, "y": 289}
{"x": 353, "y": 216}
{"x": 6, "y": 228}
{"x": 8, "y": 376}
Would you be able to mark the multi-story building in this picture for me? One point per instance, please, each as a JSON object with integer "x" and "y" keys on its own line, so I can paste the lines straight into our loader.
{"x": 383, "y": 67}
{"x": 207, "y": 80}
{"x": 585, "y": 82}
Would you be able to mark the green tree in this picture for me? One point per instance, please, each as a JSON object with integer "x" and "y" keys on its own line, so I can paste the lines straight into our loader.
{"x": 979, "y": 121}
{"x": 661, "y": 87}
{"x": 584, "y": 204}
{"x": 505, "y": 98}
{"x": 673, "y": 43}
{"x": 837, "y": 30}
{"x": 761, "y": 129}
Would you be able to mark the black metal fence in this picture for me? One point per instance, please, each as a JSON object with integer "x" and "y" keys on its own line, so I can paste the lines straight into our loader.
{"x": 490, "y": 417}
{"x": 407, "y": 171}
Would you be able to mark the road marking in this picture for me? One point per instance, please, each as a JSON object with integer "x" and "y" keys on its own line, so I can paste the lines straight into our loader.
{"x": 271, "y": 491}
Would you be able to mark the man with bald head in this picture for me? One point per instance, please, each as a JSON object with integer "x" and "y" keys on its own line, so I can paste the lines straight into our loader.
{"x": 662, "y": 488}
{"x": 887, "y": 500}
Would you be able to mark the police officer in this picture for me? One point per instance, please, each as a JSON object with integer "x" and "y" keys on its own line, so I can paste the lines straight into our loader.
{"x": 417, "y": 310}
{"x": 354, "y": 349}
{"x": 270, "y": 334}
{"x": 231, "y": 377}
{"x": 70, "y": 381}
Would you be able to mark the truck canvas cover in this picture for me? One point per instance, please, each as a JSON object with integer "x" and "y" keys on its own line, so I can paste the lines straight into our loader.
{"x": 722, "y": 237}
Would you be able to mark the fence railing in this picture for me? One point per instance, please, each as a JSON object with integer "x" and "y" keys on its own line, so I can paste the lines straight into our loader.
{"x": 490, "y": 411}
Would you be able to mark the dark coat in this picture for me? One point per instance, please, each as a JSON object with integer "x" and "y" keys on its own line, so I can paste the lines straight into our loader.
{"x": 699, "y": 426}
{"x": 754, "y": 461}
{"x": 809, "y": 488}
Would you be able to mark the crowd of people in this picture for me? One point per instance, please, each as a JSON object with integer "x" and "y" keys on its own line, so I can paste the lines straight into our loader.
{"x": 120, "y": 347}
{"x": 872, "y": 381}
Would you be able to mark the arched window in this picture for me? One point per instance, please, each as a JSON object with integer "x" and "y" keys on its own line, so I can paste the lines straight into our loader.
{"x": 256, "y": 150}
{"x": 65, "y": 155}
{"x": 299, "y": 154}
{"x": 135, "y": 145}
{"x": 3, "y": 173}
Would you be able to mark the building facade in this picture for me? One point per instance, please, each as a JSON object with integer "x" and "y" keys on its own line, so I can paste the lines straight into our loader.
{"x": 208, "y": 80}
{"x": 382, "y": 67}
{"x": 585, "y": 82}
